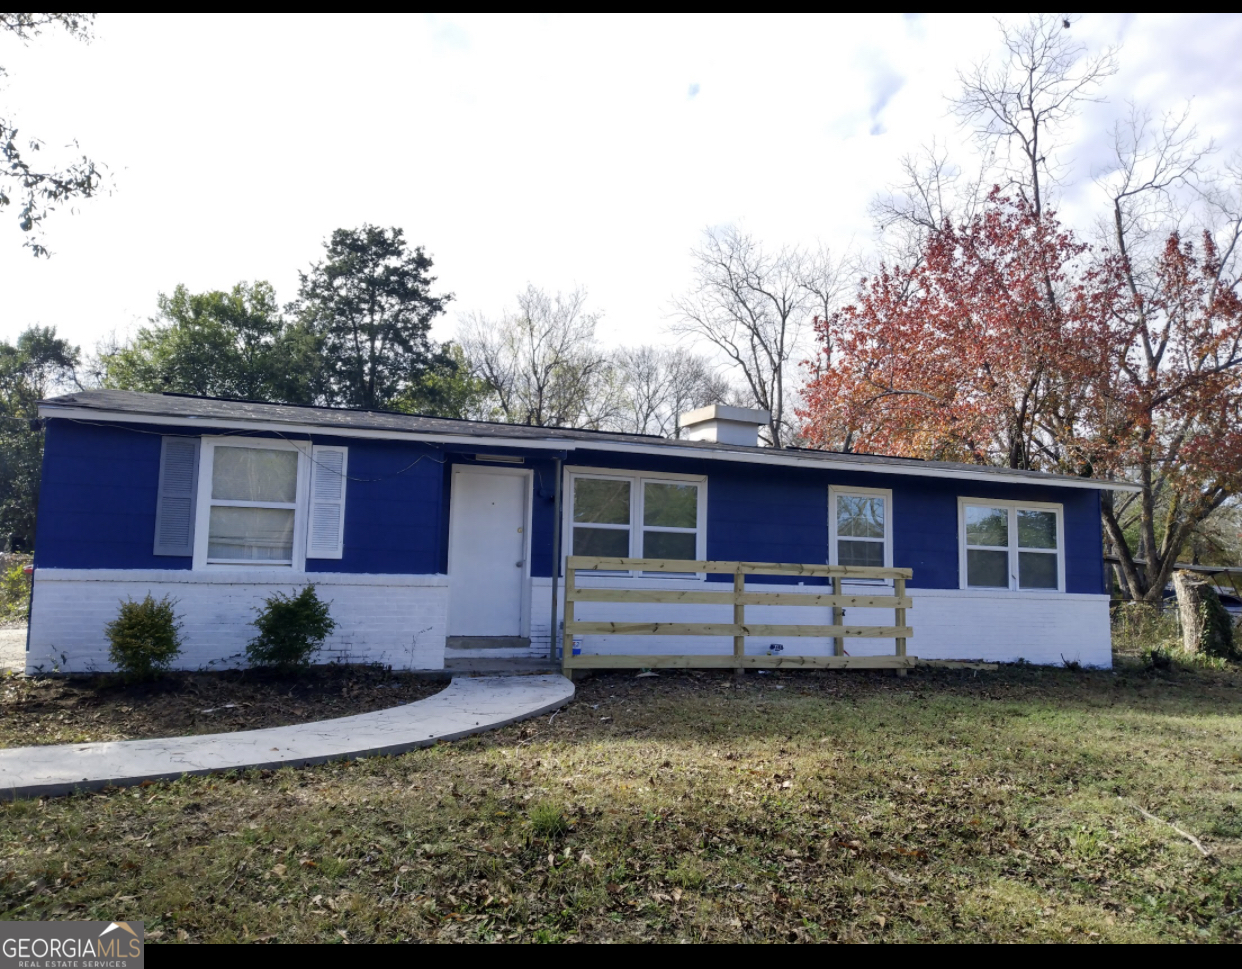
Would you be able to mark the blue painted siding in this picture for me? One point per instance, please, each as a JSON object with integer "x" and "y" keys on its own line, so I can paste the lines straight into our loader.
{"x": 543, "y": 516}
{"x": 770, "y": 514}
{"x": 97, "y": 508}
{"x": 393, "y": 509}
{"x": 97, "y": 501}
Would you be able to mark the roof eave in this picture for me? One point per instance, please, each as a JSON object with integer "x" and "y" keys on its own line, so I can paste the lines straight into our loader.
{"x": 773, "y": 457}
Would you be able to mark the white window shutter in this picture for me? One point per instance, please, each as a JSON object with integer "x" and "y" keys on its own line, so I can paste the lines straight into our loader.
{"x": 178, "y": 487}
{"x": 325, "y": 537}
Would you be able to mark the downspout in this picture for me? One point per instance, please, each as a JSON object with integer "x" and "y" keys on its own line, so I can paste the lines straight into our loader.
{"x": 556, "y": 557}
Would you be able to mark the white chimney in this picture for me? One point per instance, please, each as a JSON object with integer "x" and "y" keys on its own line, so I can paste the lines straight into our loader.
{"x": 724, "y": 425}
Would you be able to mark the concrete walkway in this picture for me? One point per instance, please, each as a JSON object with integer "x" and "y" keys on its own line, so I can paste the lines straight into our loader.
{"x": 467, "y": 706}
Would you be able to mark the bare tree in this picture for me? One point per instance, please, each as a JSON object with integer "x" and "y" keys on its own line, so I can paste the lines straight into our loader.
{"x": 756, "y": 308}
{"x": 932, "y": 191}
{"x": 542, "y": 364}
{"x": 656, "y": 385}
{"x": 1018, "y": 106}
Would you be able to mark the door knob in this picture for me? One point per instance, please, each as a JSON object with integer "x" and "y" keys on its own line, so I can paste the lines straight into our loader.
{"x": 518, "y": 564}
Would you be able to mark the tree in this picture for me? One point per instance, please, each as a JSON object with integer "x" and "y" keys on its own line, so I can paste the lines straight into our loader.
{"x": 1019, "y": 109}
{"x": 370, "y": 302}
{"x": 1137, "y": 398}
{"x": 1218, "y": 539}
{"x": 30, "y": 369}
{"x": 963, "y": 357}
{"x": 1019, "y": 106}
{"x": 1168, "y": 412}
{"x": 219, "y": 344}
{"x": 756, "y": 307}
{"x": 656, "y": 385}
{"x": 38, "y": 189}
{"x": 447, "y": 388}
{"x": 542, "y": 365}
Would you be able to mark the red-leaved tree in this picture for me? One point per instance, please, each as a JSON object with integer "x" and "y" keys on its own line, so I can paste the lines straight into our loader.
{"x": 980, "y": 352}
{"x": 1011, "y": 343}
{"x": 1167, "y": 408}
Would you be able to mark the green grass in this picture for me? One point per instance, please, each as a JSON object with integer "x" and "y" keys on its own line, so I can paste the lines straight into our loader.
{"x": 945, "y": 806}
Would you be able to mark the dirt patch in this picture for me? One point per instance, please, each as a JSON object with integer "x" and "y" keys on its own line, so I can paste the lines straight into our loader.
{"x": 54, "y": 710}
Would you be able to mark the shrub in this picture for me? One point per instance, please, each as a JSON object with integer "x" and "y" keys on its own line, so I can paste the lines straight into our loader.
{"x": 14, "y": 591}
{"x": 145, "y": 637}
{"x": 291, "y": 630}
{"x": 1139, "y": 628}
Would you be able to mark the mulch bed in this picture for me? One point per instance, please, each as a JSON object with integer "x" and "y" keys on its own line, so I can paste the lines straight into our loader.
{"x": 60, "y": 710}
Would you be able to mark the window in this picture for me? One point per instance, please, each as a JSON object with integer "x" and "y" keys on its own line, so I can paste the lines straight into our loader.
{"x": 252, "y": 505}
{"x": 264, "y": 503}
{"x": 636, "y": 516}
{"x": 860, "y": 528}
{"x": 1011, "y": 545}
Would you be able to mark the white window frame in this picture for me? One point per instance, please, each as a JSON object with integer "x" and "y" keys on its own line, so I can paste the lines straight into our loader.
{"x": 835, "y": 492}
{"x": 636, "y": 527}
{"x": 1012, "y": 508}
{"x": 202, "y": 518}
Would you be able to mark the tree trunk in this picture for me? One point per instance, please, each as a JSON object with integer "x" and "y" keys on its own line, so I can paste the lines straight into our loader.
{"x": 1206, "y": 626}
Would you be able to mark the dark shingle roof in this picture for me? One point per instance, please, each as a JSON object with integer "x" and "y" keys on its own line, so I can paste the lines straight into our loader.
{"x": 119, "y": 404}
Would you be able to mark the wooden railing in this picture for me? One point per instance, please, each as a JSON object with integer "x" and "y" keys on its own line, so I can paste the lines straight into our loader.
{"x": 739, "y": 628}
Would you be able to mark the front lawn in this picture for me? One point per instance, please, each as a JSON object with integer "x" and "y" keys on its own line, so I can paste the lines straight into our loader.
{"x": 945, "y": 806}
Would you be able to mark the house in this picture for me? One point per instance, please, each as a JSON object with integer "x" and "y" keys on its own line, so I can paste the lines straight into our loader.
{"x": 432, "y": 536}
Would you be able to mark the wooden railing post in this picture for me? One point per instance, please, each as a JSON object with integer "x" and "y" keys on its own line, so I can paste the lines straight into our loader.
{"x": 899, "y": 590}
{"x": 739, "y": 618}
{"x": 567, "y": 639}
{"x": 838, "y": 618}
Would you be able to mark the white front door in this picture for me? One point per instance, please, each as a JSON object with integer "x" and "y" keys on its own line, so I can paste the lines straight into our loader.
{"x": 488, "y": 520}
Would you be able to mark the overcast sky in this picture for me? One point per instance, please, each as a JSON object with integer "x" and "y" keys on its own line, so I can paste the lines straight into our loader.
{"x": 562, "y": 151}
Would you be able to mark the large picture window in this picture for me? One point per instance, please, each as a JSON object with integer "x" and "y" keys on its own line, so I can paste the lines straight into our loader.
{"x": 1011, "y": 545}
{"x": 860, "y": 527}
{"x": 636, "y": 516}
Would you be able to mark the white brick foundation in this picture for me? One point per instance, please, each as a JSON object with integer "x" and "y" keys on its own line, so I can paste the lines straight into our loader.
{"x": 395, "y": 620}
{"x": 1038, "y": 627}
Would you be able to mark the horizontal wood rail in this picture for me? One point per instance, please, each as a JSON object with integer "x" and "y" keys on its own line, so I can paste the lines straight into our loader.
{"x": 739, "y": 629}
{"x": 746, "y": 568}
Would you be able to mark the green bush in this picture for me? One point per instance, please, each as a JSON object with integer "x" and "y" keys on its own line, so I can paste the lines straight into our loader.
{"x": 145, "y": 637}
{"x": 291, "y": 630}
{"x": 14, "y": 592}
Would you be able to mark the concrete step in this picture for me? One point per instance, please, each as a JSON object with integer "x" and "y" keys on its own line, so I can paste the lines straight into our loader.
{"x": 487, "y": 642}
{"x": 500, "y": 664}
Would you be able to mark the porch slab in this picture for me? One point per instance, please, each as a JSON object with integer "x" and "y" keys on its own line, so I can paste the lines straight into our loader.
{"x": 469, "y": 705}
